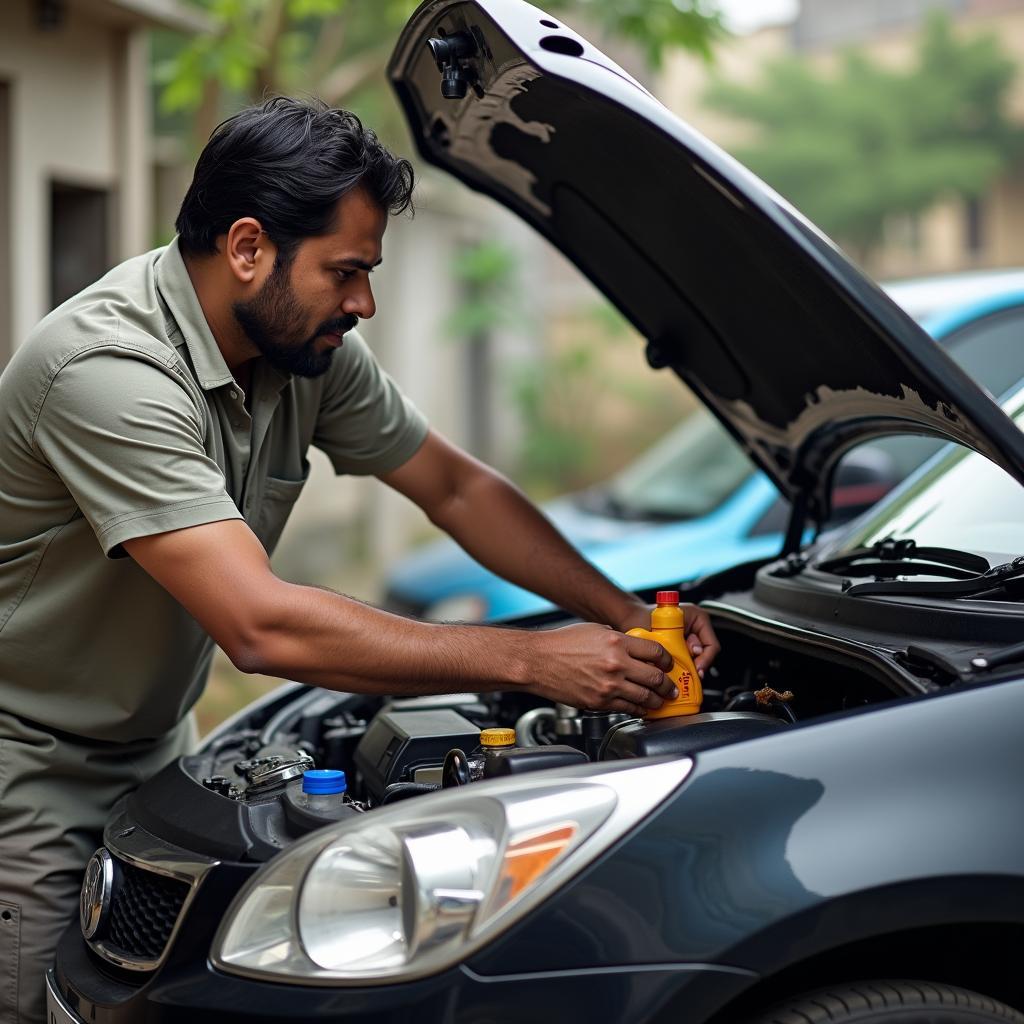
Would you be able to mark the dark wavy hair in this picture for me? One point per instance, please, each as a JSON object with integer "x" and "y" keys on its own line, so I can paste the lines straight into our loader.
{"x": 287, "y": 162}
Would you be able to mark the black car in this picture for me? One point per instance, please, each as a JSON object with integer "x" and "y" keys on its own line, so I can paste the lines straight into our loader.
{"x": 837, "y": 836}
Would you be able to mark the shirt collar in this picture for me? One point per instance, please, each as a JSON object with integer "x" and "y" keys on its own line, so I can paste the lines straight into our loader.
{"x": 175, "y": 286}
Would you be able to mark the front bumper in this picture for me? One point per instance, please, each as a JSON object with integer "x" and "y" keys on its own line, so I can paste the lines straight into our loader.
{"x": 83, "y": 994}
{"x": 58, "y": 1011}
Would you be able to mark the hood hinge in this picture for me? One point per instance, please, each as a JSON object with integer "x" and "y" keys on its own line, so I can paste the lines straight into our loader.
{"x": 804, "y": 511}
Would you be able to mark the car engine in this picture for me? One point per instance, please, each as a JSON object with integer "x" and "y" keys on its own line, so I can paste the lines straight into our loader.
{"x": 240, "y": 797}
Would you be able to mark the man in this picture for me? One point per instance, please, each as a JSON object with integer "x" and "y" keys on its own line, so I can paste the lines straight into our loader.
{"x": 153, "y": 433}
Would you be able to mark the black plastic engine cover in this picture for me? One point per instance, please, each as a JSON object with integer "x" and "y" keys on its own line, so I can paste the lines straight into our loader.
{"x": 686, "y": 734}
{"x": 399, "y": 742}
{"x": 519, "y": 760}
{"x": 175, "y": 807}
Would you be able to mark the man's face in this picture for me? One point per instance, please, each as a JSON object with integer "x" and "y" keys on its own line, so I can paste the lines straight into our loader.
{"x": 299, "y": 315}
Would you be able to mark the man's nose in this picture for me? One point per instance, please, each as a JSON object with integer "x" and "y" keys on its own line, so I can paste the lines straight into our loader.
{"x": 359, "y": 301}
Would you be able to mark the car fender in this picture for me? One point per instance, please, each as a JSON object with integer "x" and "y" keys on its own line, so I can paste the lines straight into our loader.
{"x": 804, "y": 840}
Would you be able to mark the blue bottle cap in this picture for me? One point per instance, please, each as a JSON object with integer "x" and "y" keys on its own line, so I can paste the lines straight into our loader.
{"x": 323, "y": 780}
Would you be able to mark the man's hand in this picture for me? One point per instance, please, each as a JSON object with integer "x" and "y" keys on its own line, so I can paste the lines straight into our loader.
{"x": 700, "y": 634}
{"x": 601, "y": 669}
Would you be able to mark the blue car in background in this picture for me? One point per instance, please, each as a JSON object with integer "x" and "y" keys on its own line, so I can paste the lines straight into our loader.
{"x": 693, "y": 504}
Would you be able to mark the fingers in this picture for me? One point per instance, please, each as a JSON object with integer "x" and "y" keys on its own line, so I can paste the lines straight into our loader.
{"x": 648, "y": 663}
{"x": 644, "y": 689}
{"x": 703, "y": 642}
{"x": 705, "y": 659}
{"x": 639, "y": 697}
{"x": 652, "y": 679}
{"x": 648, "y": 650}
{"x": 634, "y": 700}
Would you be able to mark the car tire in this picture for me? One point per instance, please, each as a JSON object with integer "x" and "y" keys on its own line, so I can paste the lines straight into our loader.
{"x": 891, "y": 1002}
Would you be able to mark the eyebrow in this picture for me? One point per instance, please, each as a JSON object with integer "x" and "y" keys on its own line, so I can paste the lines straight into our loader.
{"x": 353, "y": 261}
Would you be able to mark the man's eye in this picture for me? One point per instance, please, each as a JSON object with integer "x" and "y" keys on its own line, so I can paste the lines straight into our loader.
{"x": 345, "y": 275}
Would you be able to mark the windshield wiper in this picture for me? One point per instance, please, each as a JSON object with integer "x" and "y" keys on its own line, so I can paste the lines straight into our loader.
{"x": 992, "y": 579}
{"x": 890, "y": 557}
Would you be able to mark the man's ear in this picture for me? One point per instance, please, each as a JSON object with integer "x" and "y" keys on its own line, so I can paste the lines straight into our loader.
{"x": 249, "y": 250}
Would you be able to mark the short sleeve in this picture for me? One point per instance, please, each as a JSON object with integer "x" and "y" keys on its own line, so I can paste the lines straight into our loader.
{"x": 126, "y": 438}
{"x": 365, "y": 424}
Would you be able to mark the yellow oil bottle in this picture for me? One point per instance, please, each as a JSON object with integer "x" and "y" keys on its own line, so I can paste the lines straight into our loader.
{"x": 669, "y": 630}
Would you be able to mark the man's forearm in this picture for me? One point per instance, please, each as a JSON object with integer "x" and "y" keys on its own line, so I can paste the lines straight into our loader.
{"x": 323, "y": 638}
{"x": 222, "y": 576}
{"x": 496, "y": 524}
{"x": 326, "y": 639}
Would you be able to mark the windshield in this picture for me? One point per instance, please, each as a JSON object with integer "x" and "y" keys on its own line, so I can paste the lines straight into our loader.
{"x": 687, "y": 474}
{"x": 963, "y": 501}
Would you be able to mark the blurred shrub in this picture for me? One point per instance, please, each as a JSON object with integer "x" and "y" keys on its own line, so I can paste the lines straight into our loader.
{"x": 854, "y": 147}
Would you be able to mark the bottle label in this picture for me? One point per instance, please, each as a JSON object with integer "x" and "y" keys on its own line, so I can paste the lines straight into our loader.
{"x": 684, "y": 681}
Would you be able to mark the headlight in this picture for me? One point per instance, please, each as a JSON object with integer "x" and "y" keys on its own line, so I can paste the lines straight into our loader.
{"x": 413, "y": 889}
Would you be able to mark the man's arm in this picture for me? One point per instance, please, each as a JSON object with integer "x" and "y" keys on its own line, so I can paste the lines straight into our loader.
{"x": 221, "y": 574}
{"x": 498, "y": 525}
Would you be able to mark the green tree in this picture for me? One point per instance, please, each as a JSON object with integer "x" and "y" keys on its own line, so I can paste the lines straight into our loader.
{"x": 337, "y": 49}
{"x": 657, "y": 26}
{"x": 851, "y": 148}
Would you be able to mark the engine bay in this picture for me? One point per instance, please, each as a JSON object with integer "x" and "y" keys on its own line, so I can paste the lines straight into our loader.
{"x": 241, "y": 796}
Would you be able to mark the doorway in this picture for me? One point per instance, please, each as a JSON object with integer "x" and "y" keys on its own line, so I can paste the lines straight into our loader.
{"x": 79, "y": 238}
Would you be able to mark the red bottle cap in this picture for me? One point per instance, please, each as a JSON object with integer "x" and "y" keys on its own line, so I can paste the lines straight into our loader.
{"x": 667, "y": 597}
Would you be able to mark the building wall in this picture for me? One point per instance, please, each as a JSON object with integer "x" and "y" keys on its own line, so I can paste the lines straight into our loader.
{"x": 830, "y": 23}
{"x": 78, "y": 114}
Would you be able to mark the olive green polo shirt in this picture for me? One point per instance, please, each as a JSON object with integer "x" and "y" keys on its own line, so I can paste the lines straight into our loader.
{"x": 120, "y": 419}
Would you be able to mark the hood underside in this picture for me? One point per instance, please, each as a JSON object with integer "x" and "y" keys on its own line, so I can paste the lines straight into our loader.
{"x": 790, "y": 346}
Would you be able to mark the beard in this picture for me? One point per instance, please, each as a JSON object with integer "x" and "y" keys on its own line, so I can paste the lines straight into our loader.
{"x": 268, "y": 321}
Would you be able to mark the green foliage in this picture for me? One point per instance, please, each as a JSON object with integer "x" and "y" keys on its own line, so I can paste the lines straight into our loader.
{"x": 486, "y": 264}
{"x": 337, "y": 49}
{"x": 334, "y": 49}
{"x": 852, "y": 148}
{"x": 657, "y": 26}
{"x": 582, "y": 409}
{"x": 554, "y": 394}
{"x": 610, "y": 321}
{"x": 487, "y": 275}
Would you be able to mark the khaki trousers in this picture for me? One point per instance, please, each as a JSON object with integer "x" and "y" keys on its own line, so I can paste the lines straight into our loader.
{"x": 55, "y": 795}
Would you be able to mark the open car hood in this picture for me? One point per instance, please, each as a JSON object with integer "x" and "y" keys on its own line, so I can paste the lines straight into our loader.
{"x": 797, "y": 352}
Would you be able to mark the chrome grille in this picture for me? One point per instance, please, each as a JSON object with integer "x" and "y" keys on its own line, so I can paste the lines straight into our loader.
{"x": 143, "y": 912}
{"x": 153, "y": 886}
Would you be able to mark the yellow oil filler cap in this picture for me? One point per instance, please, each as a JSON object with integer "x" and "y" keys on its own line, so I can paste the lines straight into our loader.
{"x": 669, "y": 630}
{"x": 492, "y": 738}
